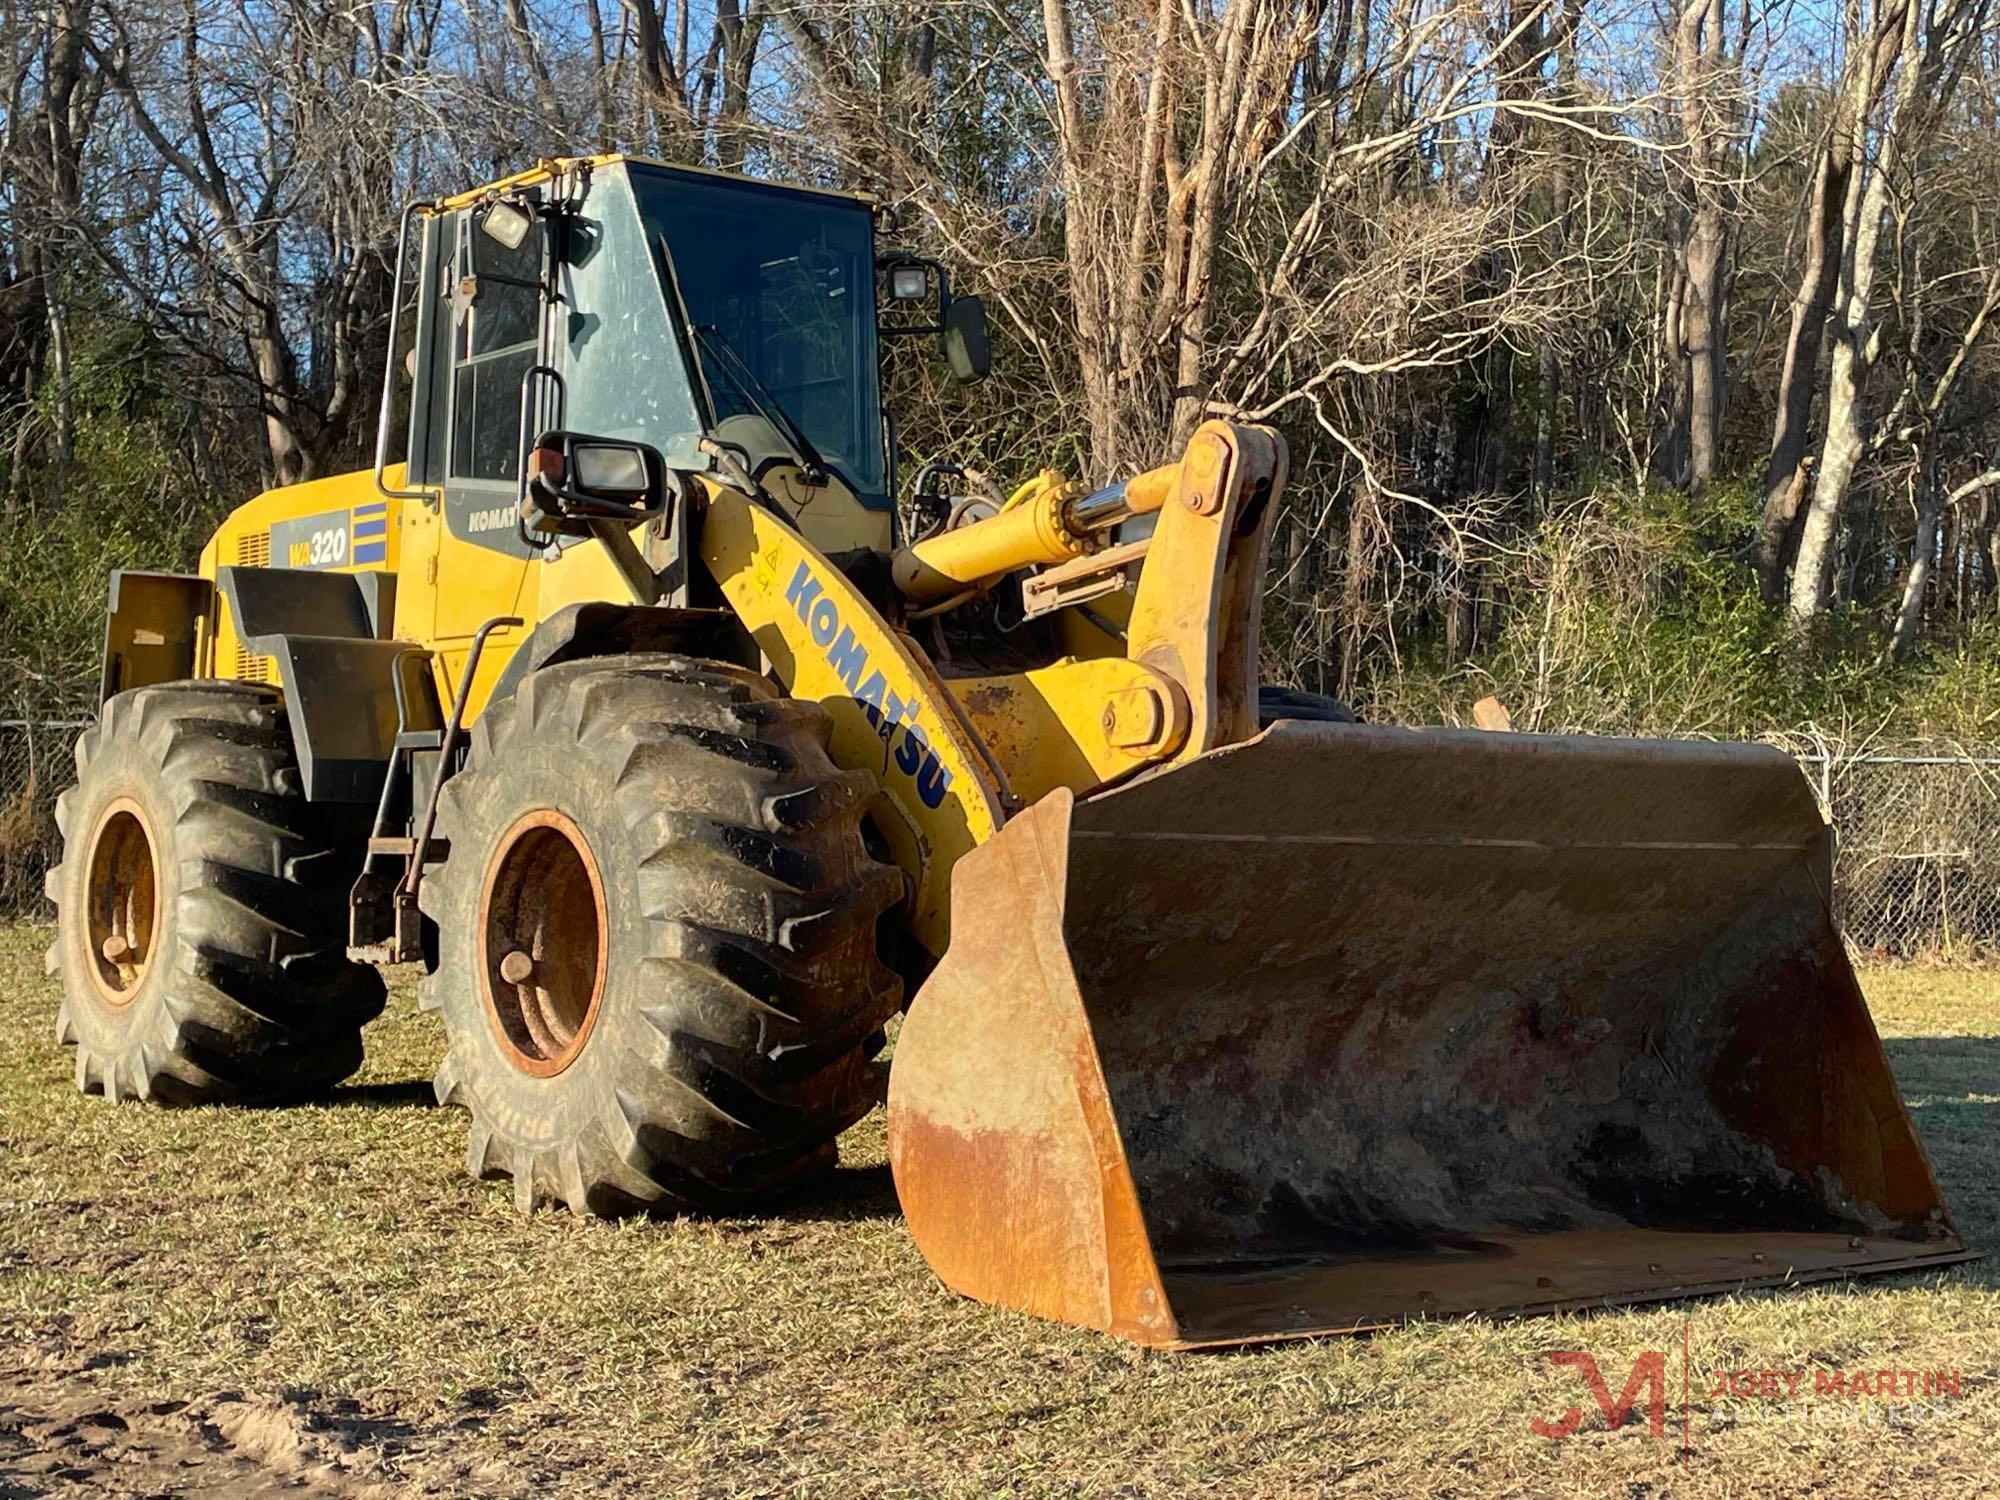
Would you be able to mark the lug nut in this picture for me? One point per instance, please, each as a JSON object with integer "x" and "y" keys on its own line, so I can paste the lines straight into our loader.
{"x": 516, "y": 967}
{"x": 116, "y": 949}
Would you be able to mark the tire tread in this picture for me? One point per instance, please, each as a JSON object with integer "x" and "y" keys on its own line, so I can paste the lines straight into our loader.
{"x": 764, "y": 992}
{"x": 255, "y": 1008}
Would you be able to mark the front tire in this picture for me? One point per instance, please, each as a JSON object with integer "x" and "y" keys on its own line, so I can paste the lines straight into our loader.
{"x": 658, "y": 967}
{"x": 201, "y": 906}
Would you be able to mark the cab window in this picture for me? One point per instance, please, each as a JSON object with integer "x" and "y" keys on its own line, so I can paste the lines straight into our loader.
{"x": 494, "y": 342}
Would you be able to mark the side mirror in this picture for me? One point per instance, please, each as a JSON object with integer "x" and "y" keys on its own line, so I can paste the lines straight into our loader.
{"x": 964, "y": 339}
{"x": 961, "y": 321}
{"x": 573, "y": 480}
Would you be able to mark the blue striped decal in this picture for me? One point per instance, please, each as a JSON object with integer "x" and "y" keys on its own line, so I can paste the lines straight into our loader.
{"x": 367, "y": 552}
{"x": 377, "y": 527}
{"x": 378, "y": 508}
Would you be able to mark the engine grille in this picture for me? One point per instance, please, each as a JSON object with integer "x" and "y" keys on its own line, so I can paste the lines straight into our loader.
{"x": 253, "y": 550}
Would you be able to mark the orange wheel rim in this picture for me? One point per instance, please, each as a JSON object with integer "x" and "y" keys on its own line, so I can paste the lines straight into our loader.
{"x": 542, "y": 947}
{"x": 122, "y": 901}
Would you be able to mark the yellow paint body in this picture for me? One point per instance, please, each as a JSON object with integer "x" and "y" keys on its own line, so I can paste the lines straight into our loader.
{"x": 891, "y": 714}
{"x": 953, "y": 757}
{"x": 477, "y": 584}
{"x": 1030, "y": 529}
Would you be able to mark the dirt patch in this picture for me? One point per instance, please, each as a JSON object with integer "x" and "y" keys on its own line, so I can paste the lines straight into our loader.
{"x": 62, "y": 1432}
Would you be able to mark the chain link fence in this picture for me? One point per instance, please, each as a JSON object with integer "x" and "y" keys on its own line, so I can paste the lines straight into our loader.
{"x": 1917, "y": 878}
{"x": 37, "y": 761}
{"x": 1917, "y": 864}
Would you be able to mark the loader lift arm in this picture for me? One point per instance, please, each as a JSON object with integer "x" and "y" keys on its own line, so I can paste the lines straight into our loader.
{"x": 1186, "y": 684}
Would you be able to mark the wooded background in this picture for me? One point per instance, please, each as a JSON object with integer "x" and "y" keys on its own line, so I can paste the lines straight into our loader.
{"x": 1637, "y": 359}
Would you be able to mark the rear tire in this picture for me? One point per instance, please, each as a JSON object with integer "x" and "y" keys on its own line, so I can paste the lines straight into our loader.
{"x": 1275, "y": 703}
{"x": 201, "y": 906}
{"x": 658, "y": 969}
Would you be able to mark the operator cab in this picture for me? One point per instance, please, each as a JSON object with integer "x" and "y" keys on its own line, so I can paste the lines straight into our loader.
{"x": 710, "y": 323}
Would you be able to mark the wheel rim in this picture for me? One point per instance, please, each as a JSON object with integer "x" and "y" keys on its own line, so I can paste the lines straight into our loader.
{"x": 122, "y": 901}
{"x": 542, "y": 943}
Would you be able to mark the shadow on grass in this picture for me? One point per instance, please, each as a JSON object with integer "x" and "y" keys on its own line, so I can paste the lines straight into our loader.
{"x": 1936, "y": 1075}
{"x": 1949, "y": 1084}
{"x": 847, "y": 1194}
{"x": 1945, "y": 1064}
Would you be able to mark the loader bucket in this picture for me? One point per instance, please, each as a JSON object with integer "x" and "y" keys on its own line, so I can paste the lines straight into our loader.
{"x": 1350, "y": 1025}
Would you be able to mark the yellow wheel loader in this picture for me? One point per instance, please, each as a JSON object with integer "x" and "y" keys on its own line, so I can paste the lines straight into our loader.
{"x": 633, "y": 705}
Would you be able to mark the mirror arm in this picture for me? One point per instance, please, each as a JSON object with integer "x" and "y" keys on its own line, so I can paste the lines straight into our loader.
{"x": 538, "y": 284}
{"x": 529, "y": 377}
{"x": 626, "y": 557}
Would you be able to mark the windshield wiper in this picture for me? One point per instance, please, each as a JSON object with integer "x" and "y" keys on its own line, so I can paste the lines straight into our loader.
{"x": 811, "y": 465}
{"x": 696, "y": 337}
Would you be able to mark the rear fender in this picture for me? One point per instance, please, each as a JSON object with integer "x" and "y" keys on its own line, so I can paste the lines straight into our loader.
{"x": 153, "y": 629}
{"x": 328, "y": 634}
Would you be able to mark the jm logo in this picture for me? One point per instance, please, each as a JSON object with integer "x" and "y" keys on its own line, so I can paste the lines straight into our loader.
{"x": 1649, "y": 1375}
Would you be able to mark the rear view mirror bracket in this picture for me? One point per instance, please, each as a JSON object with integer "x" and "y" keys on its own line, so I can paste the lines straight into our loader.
{"x": 574, "y": 482}
{"x": 893, "y": 267}
{"x": 959, "y": 322}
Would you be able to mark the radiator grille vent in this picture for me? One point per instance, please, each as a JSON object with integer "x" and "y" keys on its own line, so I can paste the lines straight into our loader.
{"x": 250, "y": 667}
{"x": 253, "y": 550}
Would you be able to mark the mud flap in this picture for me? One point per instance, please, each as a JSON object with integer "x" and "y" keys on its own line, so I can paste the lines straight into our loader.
{"x": 1350, "y": 1025}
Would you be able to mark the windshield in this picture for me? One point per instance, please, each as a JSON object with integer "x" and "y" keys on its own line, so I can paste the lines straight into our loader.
{"x": 788, "y": 283}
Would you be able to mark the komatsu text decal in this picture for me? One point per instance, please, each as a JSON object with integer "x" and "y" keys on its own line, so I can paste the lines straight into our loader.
{"x": 886, "y": 713}
{"x": 911, "y": 753}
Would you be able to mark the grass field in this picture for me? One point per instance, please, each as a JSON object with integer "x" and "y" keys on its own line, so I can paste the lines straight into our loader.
{"x": 317, "y": 1299}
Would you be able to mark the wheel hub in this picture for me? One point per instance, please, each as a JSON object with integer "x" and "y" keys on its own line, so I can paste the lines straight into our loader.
{"x": 122, "y": 901}
{"x": 542, "y": 943}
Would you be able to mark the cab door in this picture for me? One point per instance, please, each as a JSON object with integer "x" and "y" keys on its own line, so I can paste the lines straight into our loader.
{"x": 485, "y": 566}
{"x": 419, "y": 512}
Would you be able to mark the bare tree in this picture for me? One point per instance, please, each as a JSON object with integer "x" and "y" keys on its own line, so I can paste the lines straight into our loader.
{"x": 1786, "y": 479}
{"x": 1936, "y": 36}
{"x": 1490, "y": 264}
{"x": 280, "y": 127}
{"x": 1707, "y": 83}
{"x": 41, "y": 179}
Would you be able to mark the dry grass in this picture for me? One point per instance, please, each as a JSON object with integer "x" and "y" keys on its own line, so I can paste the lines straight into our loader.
{"x": 335, "y": 1260}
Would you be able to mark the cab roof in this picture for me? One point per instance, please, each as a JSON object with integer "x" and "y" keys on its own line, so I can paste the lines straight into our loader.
{"x": 551, "y": 166}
